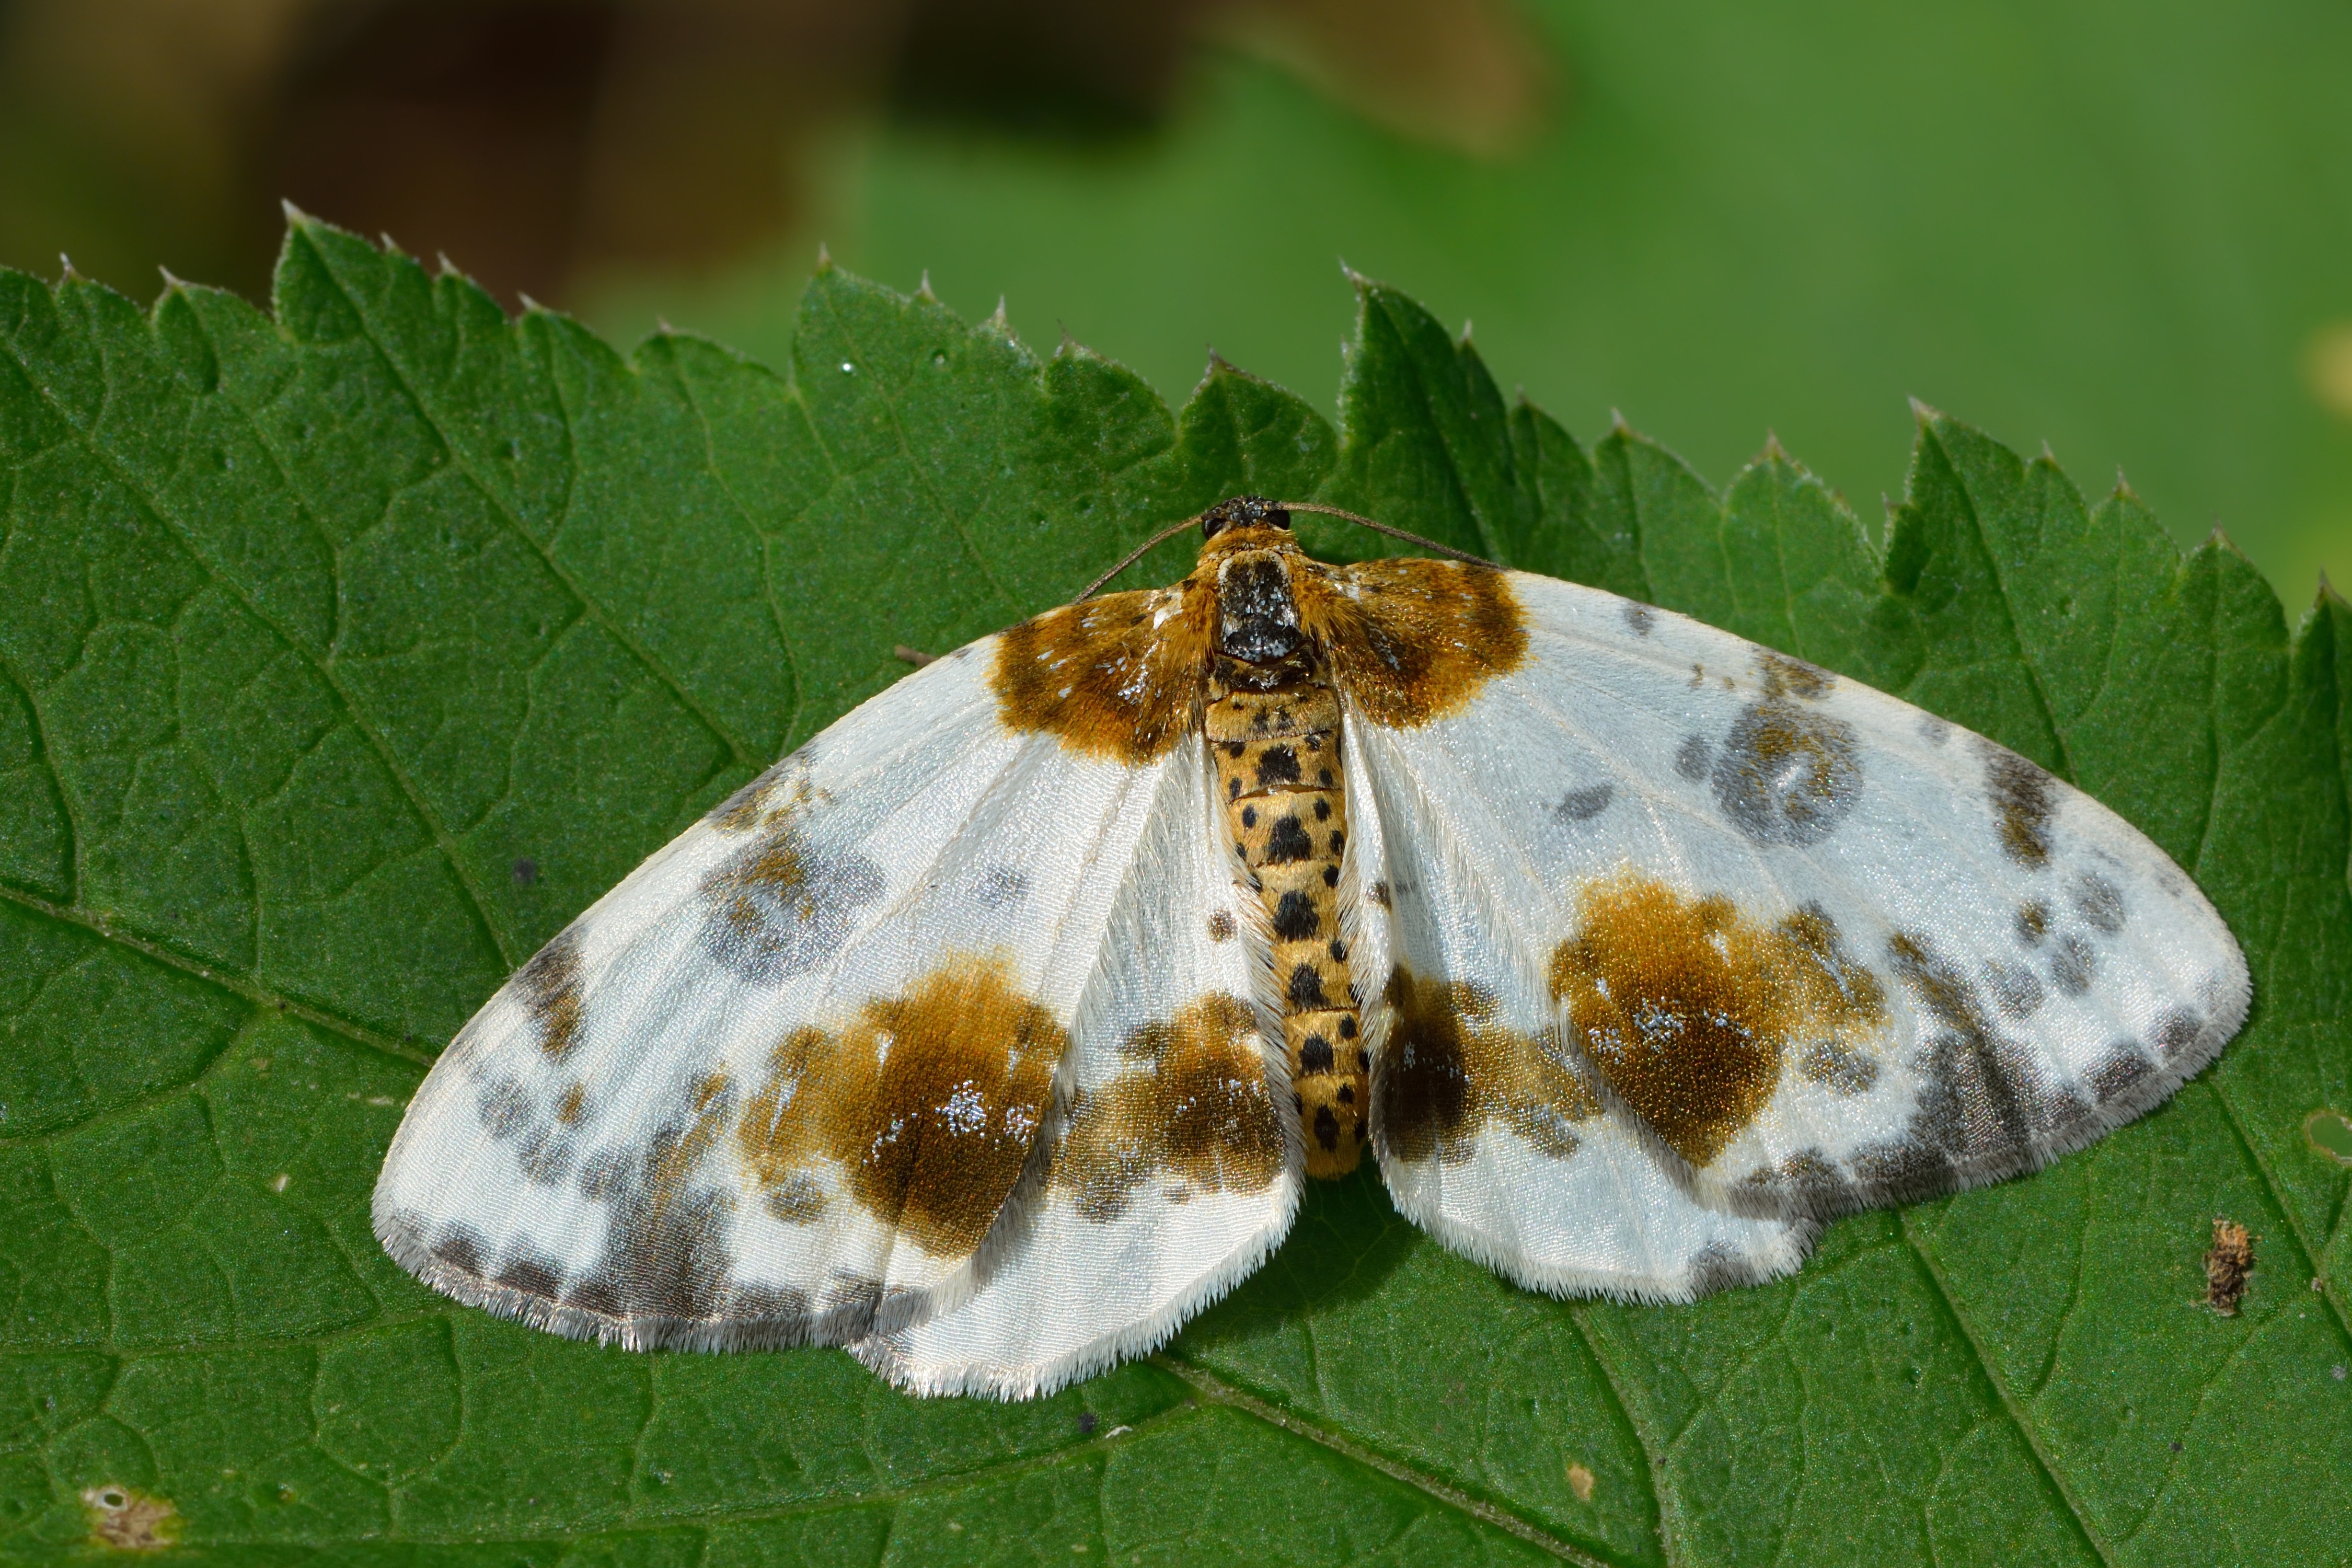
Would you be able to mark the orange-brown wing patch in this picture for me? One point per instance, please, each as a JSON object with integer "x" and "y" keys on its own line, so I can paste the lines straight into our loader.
{"x": 1450, "y": 1067}
{"x": 929, "y": 1104}
{"x": 1120, "y": 677}
{"x": 1689, "y": 1008}
{"x": 1195, "y": 1108}
{"x": 1409, "y": 641}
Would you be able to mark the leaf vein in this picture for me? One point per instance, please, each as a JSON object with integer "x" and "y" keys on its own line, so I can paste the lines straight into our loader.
{"x": 2001, "y": 1392}
{"x": 1217, "y": 1391}
{"x": 235, "y": 984}
{"x": 430, "y": 411}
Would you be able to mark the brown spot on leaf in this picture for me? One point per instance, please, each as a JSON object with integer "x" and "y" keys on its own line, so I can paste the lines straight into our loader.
{"x": 1109, "y": 677}
{"x": 1194, "y": 1109}
{"x": 1687, "y": 1007}
{"x": 2023, "y": 800}
{"x": 127, "y": 1520}
{"x": 1408, "y": 641}
{"x": 2227, "y": 1263}
{"x": 928, "y": 1102}
{"x": 1453, "y": 1067}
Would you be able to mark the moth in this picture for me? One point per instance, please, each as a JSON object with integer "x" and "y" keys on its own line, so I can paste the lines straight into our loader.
{"x": 995, "y": 1031}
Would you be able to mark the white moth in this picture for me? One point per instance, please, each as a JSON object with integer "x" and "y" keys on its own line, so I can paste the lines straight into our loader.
{"x": 993, "y": 1033}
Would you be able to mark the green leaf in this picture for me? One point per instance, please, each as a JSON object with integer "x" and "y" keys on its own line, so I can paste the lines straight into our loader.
{"x": 345, "y": 654}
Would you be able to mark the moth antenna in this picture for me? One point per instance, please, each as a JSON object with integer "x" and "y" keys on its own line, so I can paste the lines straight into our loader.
{"x": 913, "y": 656}
{"x": 1383, "y": 528}
{"x": 1134, "y": 555}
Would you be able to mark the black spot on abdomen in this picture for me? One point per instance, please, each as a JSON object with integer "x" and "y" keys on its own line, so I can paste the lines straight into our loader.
{"x": 1287, "y": 842}
{"x": 1277, "y": 765}
{"x": 1295, "y": 918}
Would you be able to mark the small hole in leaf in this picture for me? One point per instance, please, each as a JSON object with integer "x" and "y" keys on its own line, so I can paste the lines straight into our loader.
{"x": 2329, "y": 1132}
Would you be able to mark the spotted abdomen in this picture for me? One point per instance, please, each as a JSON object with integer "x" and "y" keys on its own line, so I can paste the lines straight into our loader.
{"x": 1277, "y": 758}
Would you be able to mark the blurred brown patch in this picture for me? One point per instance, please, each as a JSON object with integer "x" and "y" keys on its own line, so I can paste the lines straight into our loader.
{"x": 534, "y": 141}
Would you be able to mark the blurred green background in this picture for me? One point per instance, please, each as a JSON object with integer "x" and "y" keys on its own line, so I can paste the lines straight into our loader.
{"x": 2126, "y": 230}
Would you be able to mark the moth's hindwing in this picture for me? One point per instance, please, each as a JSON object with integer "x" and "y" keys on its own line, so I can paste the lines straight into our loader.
{"x": 1491, "y": 1131}
{"x": 1172, "y": 1164}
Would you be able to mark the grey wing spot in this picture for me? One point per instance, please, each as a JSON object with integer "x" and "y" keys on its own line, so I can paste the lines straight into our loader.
{"x": 2024, "y": 798}
{"x": 548, "y": 988}
{"x": 531, "y": 1274}
{"x": 1584, "y": 804}
{"x": 1001, "y": 887}
{"x": 2016, "y": 990}
{"x": 546, "y": 1154}
{"x": 1788, "y": 773}
{"x": 783, "y": 906}
{"x": 460, "y": 1246}
{"x": 2178, "y": 1033}
{"x": 1640, "y": 618}
{"x": 1692, "y": 760}
{"x": 1837, "y": 1068}
{"x": 1807, "y": 1175}
{"x": 602, "y": 1173}
{"x": 2118, "y": 1073}
{"x": 2073, "y": 965}
{"x": 2100, "y": 902}
{"x": 503, "y": 1107}
{"x": 669, "y": 1239}
{"x": 1984, "y": 1098}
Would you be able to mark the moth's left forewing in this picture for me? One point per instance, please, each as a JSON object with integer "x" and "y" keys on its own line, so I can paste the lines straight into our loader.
{"x": 777, "y": 1085}
{"x": 1831, "y": 950}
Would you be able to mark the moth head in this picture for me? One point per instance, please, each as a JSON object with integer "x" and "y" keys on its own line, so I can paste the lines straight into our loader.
{"x": 1242, "y": 512}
